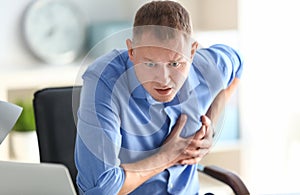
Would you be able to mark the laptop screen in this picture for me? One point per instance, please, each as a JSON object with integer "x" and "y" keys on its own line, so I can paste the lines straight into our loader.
{"x": 19, "y": 178}
{"x": 9, "y": 114}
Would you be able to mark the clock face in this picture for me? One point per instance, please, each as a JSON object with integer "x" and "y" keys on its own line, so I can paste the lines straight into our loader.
{"x": 54, "y": 31}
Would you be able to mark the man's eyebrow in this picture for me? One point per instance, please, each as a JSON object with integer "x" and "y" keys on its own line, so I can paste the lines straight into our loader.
{"x": 148, "y": 59}
{"x": 177, "y": 58}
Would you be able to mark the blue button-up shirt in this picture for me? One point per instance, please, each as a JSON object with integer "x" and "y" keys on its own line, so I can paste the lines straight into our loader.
{"x": 119, "y": 122}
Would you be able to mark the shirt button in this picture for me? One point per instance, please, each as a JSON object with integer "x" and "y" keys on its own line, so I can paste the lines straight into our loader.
{"x": 170, "y": 185}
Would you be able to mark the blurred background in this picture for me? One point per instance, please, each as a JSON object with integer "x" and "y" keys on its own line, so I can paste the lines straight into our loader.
{"x": 260, "y": 138}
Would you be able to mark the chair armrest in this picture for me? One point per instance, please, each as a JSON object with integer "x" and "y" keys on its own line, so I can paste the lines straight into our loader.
{"x": 225, "y": 176}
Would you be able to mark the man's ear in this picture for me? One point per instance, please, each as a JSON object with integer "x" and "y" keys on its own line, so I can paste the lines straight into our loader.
{"x": 130, "y": 49}
{"x": 194, "y": 49}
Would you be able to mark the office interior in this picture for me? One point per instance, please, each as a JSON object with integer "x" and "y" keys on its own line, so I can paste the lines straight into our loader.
{"x": 260, "y": 140}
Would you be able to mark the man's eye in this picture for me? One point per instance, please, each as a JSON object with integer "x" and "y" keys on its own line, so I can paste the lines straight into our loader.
{"x": 174, "y": 64}
{"x": 150, "y": 64}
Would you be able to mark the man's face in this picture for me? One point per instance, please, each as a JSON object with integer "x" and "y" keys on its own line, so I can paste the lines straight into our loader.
{"x": 160, "y": 70}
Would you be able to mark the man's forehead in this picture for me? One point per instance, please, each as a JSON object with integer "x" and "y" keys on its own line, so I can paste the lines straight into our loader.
{"x": 177, "y": 44}
{"x": 159, "y": 54}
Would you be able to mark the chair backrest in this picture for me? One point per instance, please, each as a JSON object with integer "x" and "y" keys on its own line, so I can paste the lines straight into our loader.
{"x": 55, "y": 112}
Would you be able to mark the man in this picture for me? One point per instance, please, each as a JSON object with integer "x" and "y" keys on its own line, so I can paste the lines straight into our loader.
{"x": 144, "y": 120}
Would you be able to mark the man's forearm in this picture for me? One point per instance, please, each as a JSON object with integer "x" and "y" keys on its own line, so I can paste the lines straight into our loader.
{"x": 218, "y": 105}
{"x": 139, "y": 172}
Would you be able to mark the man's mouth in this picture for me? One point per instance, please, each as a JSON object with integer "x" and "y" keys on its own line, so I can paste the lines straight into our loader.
{"x": 164, "y": 91}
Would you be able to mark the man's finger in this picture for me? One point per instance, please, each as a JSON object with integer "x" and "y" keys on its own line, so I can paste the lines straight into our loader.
{"x": 180, "y": 123}
{"x": 178, "y": 126}
{"x": 200, "y": 133}
{"x": 191, "y": 161}
{"x": 210, "y": 129}
{"x": 205, "y": 143}
{"x": 205, "y": 120}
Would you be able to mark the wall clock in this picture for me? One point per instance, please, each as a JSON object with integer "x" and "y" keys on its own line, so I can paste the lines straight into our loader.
{"x": 54, "y": 30}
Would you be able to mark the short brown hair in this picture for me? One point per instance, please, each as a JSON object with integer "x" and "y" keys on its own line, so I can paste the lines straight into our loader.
{"x": 164, "y": 13}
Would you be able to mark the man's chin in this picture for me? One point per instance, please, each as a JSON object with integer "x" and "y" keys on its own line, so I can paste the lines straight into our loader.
{"x": 164, "y": 99}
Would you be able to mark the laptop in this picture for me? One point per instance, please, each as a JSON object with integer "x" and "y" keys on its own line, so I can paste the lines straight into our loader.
{"x": 19, "y": 178}
{"x": 9, "y": 113}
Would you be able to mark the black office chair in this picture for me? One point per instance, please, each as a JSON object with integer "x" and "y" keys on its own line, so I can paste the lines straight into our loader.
{"x": 56, "y": 130}
{"x": 55, "y": 125}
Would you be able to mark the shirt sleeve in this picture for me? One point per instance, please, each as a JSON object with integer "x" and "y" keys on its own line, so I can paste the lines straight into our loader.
{"x": 98, "y": 139}
{"x": 229, "y": 62}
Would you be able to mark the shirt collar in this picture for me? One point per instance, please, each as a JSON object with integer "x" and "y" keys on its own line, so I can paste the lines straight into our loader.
{"x": 193, "y": 79}
{"x": 189, "y": 85}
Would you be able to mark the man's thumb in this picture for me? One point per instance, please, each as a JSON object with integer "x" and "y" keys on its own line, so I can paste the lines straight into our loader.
{"x": 205, "y": 120}
{"x": 180, "y": 124}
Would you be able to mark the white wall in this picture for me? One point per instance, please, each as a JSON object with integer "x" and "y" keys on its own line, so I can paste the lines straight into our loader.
{"x": 13, "y": 52}
{"x": 270, "y": 94}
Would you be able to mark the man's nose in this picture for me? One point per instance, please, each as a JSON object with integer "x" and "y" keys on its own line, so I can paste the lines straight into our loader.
{"x": 163, "y": 74}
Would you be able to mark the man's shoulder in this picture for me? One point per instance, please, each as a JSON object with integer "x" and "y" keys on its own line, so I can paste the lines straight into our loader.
{"x": 215, "y": 54}
{"x": 112, "y": 63}
{"x": 216, "y": 51}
